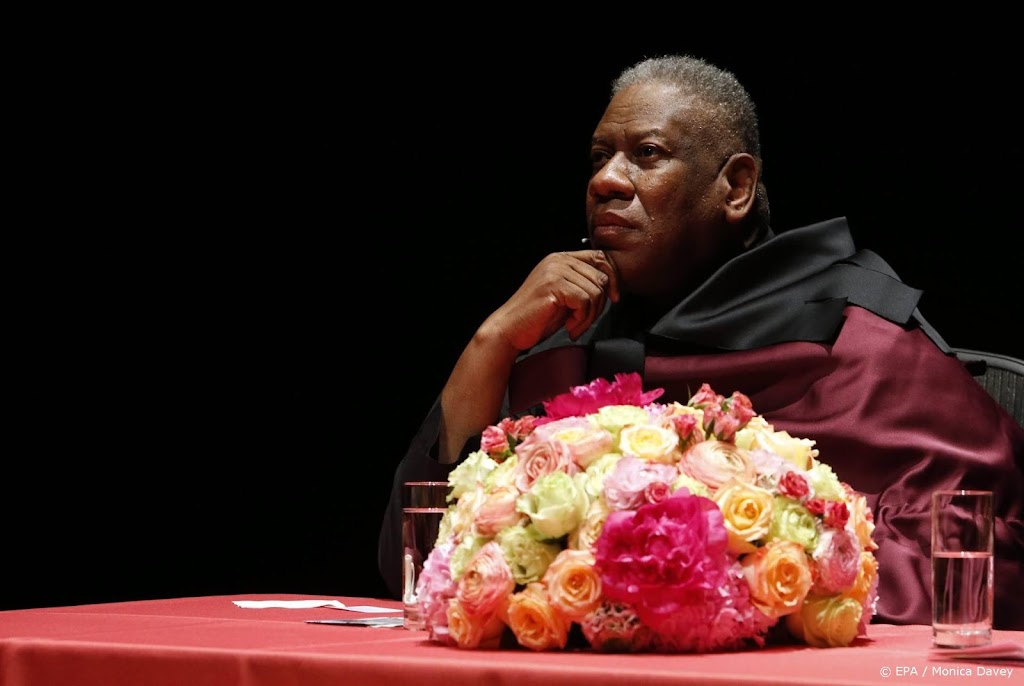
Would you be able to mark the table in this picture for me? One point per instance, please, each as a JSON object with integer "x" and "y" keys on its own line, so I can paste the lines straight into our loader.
{"x": 210, "y": 641}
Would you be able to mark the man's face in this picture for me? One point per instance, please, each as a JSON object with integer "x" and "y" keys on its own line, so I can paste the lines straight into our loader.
{"x": 655, "y": 201}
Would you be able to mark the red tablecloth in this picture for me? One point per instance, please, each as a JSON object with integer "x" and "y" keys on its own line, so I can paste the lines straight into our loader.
{"x": 210, "y": 641}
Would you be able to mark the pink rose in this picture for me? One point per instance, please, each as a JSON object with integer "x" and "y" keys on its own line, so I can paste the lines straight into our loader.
{"x": 664, "y": 557}
{"x": 816, "y": 506}
{"x": 723, "y": 417}
{"x": 496, "y": 511}
{"x": 518, "y": 429}
{"x": 494, "y": 441}
{"x": 705, "y": 397}
{"x": 793, "y": 485}
{"x": 537, "y": 458}
{"x": 656, "y": 491}
{"x": 688, "y": 428}
{"x": 625, "y": 487}
{"x": 836, "y": 514}
{"x": 838, "y": 558}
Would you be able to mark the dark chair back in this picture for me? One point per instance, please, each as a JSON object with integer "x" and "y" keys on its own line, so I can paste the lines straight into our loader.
{"x": 1001, "y": 375}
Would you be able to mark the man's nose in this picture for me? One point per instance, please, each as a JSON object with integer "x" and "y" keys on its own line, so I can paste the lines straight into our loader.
{"x": 612, "y": 181}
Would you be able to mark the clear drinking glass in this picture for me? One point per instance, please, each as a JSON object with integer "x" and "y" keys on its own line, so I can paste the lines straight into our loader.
{"x": 962, "y": 568}
{"x": 423, "y": 505}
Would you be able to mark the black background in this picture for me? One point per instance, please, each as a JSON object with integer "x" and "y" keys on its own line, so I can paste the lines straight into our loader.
{"x": 248, "y": 270}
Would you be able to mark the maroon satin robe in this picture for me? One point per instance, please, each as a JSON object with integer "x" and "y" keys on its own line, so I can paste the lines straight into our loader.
{"x": 894, "y": 416}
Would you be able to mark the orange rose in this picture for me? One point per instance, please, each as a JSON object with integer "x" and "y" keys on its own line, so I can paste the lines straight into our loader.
{"x": 473, "y": 631}
{"x": 779, "y": 577}
{"x": 536, "y": 623}
{"x": 574, "y": 586}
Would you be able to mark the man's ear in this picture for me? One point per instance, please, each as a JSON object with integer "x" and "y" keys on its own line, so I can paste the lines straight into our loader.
{"x": 740, "y": 173}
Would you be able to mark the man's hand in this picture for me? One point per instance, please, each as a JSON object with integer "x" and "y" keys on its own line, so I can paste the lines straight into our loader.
{"x": 567, "y": 289}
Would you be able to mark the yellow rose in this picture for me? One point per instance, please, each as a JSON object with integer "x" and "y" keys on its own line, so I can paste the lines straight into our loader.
{"x": 799, "y": 451}
{"x": 757, "y": 425}
{"x": 747, "y": 511}
{"x": 536, "y": 623}
{"x": 584, "y": 537}
{"x": 826, "y": 621}
{"x": 586, "y": 442}
{"x": 614, "y": 417}
{"x": 574, "y": 586}
{"x": 650, "y": 442}
{"x": 779, "y": 577}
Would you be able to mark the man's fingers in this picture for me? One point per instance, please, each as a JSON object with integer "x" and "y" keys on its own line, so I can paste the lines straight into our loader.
{"x": 601, "y": 261}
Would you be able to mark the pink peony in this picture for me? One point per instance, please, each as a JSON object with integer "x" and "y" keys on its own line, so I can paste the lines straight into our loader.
{"x": 728, "y": 621}
{"x": 664, "y": 558}
{"x": 627, "y": 389}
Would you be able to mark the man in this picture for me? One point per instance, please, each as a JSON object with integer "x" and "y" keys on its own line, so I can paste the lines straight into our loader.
{"x": 686, "y": 283}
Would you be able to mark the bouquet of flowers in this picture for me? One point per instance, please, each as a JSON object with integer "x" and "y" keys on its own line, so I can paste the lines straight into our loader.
{"x": 646, "y": 526}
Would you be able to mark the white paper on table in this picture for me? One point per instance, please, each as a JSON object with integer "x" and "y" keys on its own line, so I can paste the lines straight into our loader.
{"x": 1007, "y": 650}
{"x": 306, "y": 604}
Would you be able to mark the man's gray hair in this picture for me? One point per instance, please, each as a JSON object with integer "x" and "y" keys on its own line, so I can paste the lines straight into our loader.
{"x": 733, "y": 125}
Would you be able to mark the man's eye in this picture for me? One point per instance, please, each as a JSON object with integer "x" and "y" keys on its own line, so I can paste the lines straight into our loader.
{"x": 647, "y": 151}
{"x": 598, "y": 158}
